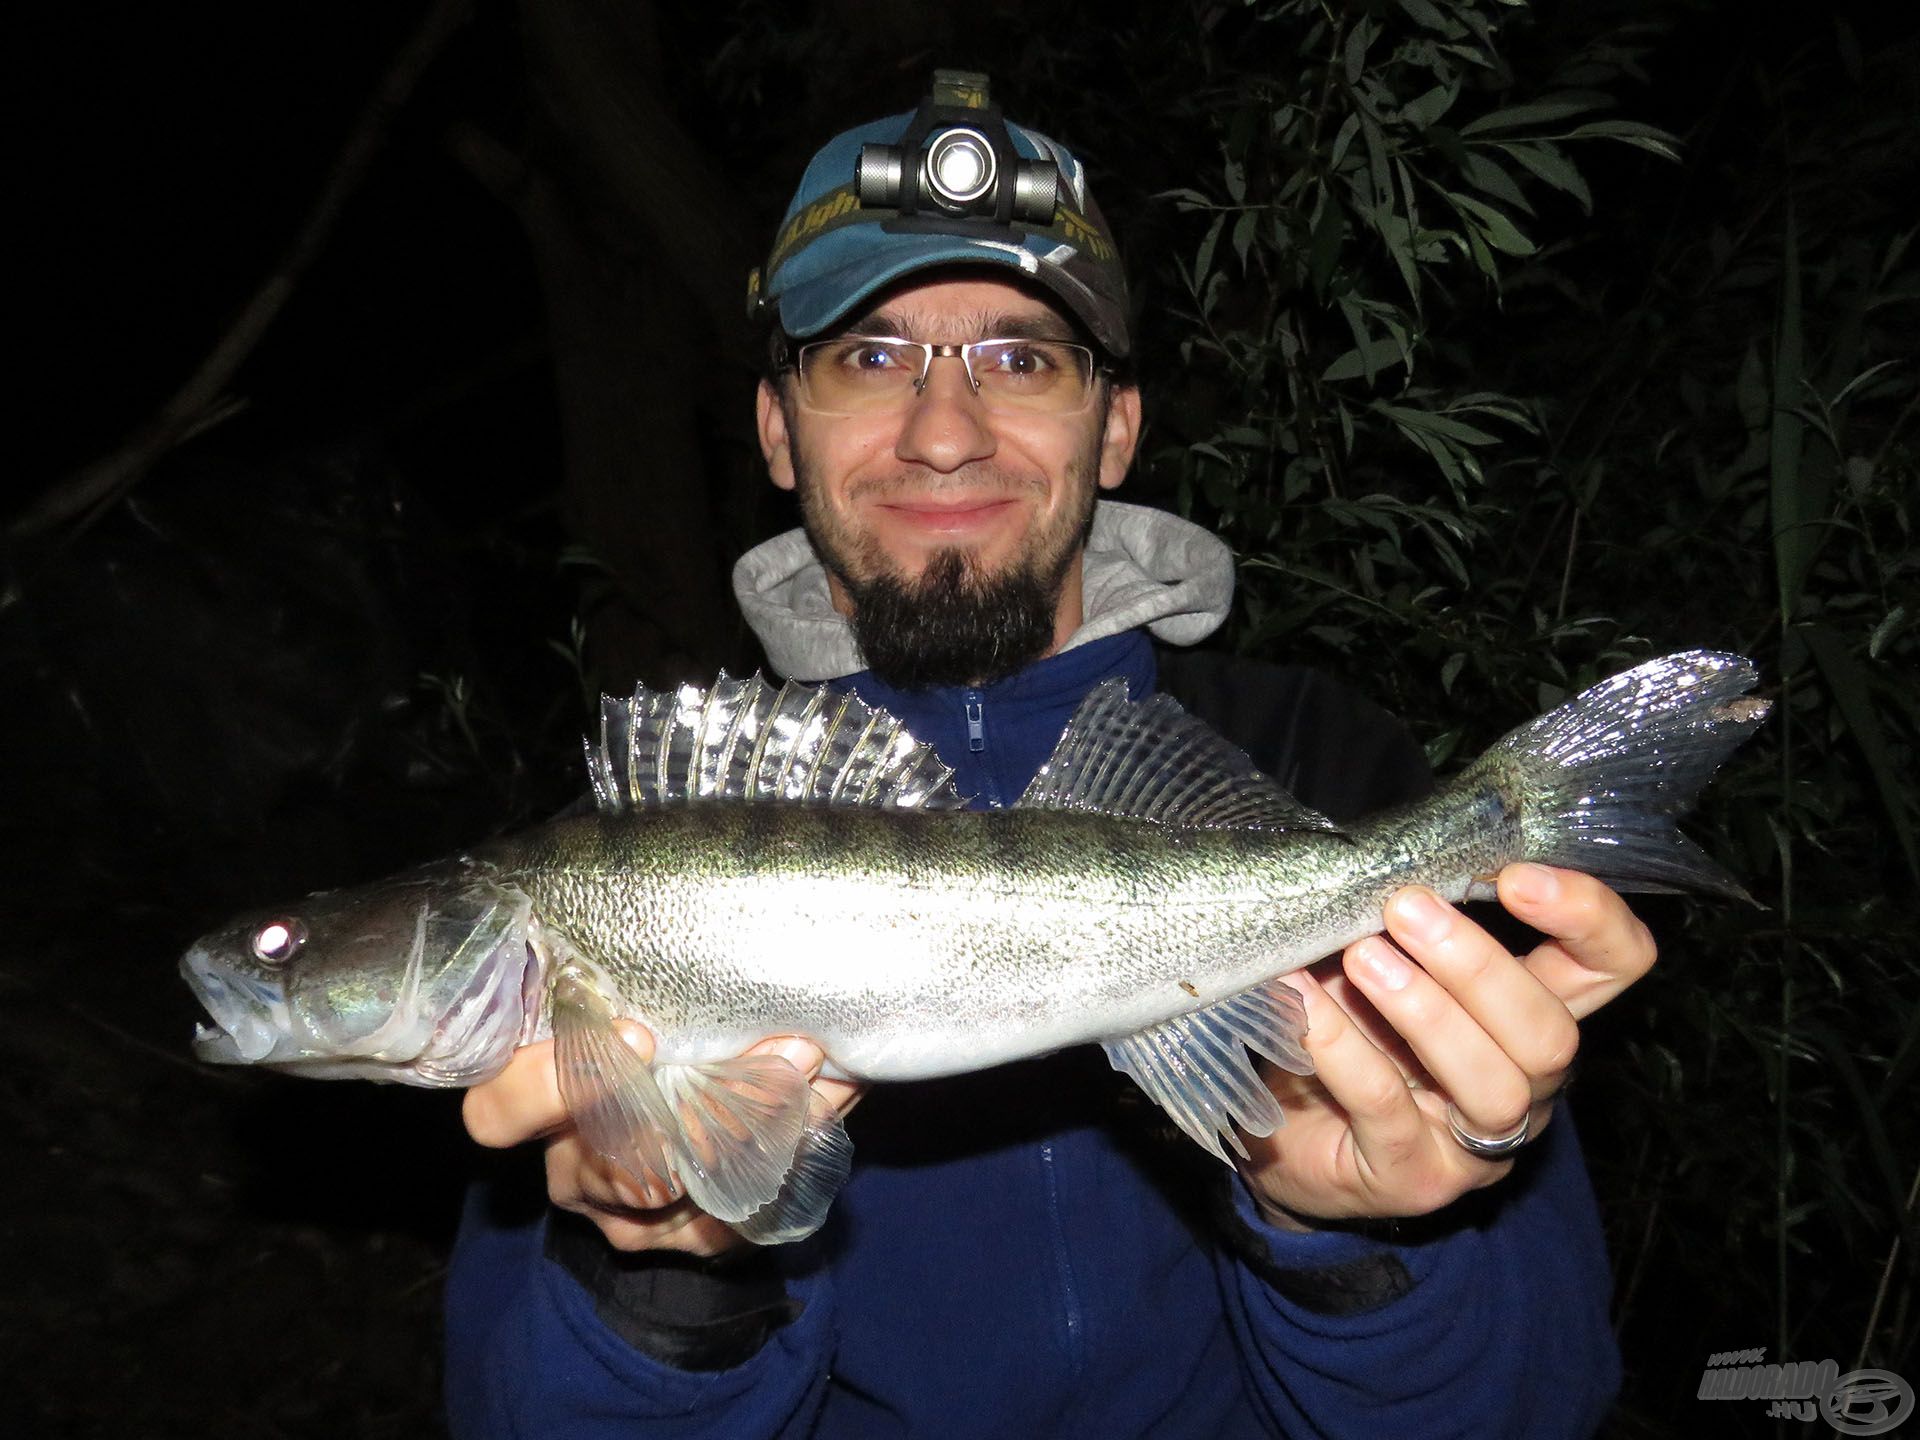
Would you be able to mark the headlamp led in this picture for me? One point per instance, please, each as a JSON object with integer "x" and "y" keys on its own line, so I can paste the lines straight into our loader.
{"x": 957, "y": 160}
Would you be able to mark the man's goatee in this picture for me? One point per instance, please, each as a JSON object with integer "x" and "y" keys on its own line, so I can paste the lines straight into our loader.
{"x": 953, "y": 625}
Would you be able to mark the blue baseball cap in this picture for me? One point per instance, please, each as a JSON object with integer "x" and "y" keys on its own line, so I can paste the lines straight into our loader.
{"x": 834, "y": 250}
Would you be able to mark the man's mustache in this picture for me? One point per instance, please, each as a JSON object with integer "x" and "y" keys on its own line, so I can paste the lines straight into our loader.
{"x": 972, "y": 480}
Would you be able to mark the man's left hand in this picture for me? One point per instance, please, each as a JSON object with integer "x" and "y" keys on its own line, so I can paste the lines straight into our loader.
{"x": 1437, "y": 1012}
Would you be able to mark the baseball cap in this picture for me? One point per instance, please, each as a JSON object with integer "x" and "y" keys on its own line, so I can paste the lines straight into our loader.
{"x": 834, "y": 249}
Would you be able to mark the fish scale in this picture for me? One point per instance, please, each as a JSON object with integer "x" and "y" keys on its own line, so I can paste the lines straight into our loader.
{"x": 770, "y": 923}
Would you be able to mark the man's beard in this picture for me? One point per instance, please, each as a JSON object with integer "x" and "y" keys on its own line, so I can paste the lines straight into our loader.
{"x": 956, "y": 623}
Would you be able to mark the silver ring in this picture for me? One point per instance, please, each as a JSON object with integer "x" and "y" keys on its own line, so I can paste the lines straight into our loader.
{"x": 1488, "y": 1147}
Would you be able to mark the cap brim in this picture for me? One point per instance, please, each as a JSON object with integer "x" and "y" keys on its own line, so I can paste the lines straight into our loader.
{"x": 814, "y": 304}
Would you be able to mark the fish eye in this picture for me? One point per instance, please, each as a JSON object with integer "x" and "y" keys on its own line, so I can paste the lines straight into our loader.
{"x": 275, "y": 942}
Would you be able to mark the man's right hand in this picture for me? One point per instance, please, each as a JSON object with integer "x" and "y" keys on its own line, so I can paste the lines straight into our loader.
{"x": 523, "y": 1103}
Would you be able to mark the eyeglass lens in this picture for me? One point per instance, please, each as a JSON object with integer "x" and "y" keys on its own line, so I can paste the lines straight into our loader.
{"x": 862, "y": 373}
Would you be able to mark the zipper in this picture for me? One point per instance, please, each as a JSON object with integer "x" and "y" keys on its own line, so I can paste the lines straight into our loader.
{"x": 976, "y": 723}
{"x": 1071, "y": 1320}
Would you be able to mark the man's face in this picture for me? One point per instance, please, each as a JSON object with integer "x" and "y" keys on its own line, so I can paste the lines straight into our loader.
{"x": 942, "y": 505}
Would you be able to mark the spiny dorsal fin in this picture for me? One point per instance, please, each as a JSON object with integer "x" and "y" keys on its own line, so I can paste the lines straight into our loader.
{"x": 744, "y": 740}
{"x": 1153, "y": 761}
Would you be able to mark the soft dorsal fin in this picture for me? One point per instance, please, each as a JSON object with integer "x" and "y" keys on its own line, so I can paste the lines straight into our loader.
{"x": 1154, "y": 761}
{"x": 745, "y": 740}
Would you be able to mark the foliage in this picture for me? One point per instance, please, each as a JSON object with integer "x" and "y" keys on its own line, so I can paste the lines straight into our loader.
{"x": 1454, "y": 412}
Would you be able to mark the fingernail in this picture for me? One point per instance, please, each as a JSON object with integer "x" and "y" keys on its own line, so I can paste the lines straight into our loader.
{"x": 1532, "y": 884}
{"x": 801, "y": 1054}
{"x": 1422, "y": 916}
{"x": 1385, "y": 964}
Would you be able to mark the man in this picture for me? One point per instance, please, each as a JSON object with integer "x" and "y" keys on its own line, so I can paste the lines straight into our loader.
{"x": 1022, "y": 1251}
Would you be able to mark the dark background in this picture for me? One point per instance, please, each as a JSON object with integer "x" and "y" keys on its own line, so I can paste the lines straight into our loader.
{"x": 345, "y": 610}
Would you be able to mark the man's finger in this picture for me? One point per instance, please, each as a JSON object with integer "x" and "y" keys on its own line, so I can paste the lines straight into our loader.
{"x": 523, "y": 1101}
{"x": 1599, "y": 946}
{"x": 1500, "y": 1004}
{"x": 1487, "y": 1085}
{"x": 807, "y": 1058}
{"x": 1389, "y": 1132}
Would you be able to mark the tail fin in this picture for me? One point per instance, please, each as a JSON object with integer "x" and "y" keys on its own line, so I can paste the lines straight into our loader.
{"x": 1600, "y": 781}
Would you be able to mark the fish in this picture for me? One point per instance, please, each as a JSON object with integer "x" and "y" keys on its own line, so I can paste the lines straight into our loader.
{"x": 764, "y": 861}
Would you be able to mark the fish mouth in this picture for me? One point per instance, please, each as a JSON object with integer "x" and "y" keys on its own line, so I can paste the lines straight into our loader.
{"x": 250, "y": 1016}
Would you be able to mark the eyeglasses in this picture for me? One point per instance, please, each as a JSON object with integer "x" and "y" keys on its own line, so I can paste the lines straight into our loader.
{"x": 869, "y": 374}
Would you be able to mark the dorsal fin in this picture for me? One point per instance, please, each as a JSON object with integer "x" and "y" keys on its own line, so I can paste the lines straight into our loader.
{"x": 744, "y": 740}
{"x": 1154, "y": 761}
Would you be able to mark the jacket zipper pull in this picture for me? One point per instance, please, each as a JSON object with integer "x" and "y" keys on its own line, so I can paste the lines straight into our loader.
{"x": 976, "y": 725}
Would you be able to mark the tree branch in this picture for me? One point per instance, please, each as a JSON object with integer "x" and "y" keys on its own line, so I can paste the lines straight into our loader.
{"x": 89, "y": 492}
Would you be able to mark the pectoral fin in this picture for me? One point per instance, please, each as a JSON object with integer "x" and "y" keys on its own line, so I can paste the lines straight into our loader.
{"x": 1196, "y": 1067}
{"x": 608, "y": 1089}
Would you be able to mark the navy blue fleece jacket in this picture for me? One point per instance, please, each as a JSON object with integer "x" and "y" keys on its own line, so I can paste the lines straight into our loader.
{"x": 1030, "y": 1252}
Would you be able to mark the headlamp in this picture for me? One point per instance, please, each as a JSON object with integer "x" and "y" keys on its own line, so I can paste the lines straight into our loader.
{"x": 957, "y": 161}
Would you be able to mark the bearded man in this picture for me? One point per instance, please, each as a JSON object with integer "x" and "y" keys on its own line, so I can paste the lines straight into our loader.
{"x": 1028, "y": 1251}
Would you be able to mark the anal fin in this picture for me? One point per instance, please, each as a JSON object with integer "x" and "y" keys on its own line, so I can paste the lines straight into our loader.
{"x": 1196, "y": 1066}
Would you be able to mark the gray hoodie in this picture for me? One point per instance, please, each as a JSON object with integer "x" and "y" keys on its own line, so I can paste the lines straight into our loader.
{"x": 1143, "y": 567}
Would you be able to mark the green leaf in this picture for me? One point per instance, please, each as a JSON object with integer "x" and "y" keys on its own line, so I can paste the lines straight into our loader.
{"x": 1896, "y": 252}
{"x": 1891, "y": 625}
{"x": 1644, "y": 137}
{"x": 1501, "y": 232}
{"x": 1424, "y": 12}
{"x": 1382, "y": 198}
{"x": 1486, "y": 175}
{"x": 1393, "y": 233}
{"x": 1538, "y": 112}
{"x": 1363, "y": 359}
{"x": 1324, "y": 249}
{"x": 1847, "y": 683}
{"x": 1545, "y": 160}
{"x": 1243, "y": 229}
{"x": 1203, "y": 258}
{"x": 1355, "y": 52}
{"x": 1185, "y": 199}
{"x": 1426, "y": 420}
{"x": 1349, "y": 128}
{"x": 1840, "y": 397}
{"x": 1423, "y": 110}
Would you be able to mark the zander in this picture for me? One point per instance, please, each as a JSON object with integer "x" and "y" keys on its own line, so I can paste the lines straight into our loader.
{"x": 769, "y": 862}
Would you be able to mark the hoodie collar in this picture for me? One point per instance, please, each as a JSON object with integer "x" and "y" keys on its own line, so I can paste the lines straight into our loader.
{"x": 1142, "y": 567}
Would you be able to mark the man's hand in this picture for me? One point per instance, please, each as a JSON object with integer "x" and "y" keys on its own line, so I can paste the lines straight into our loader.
{"x": 1436, "y": 1011}
{"x": 523, "y": 1103}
